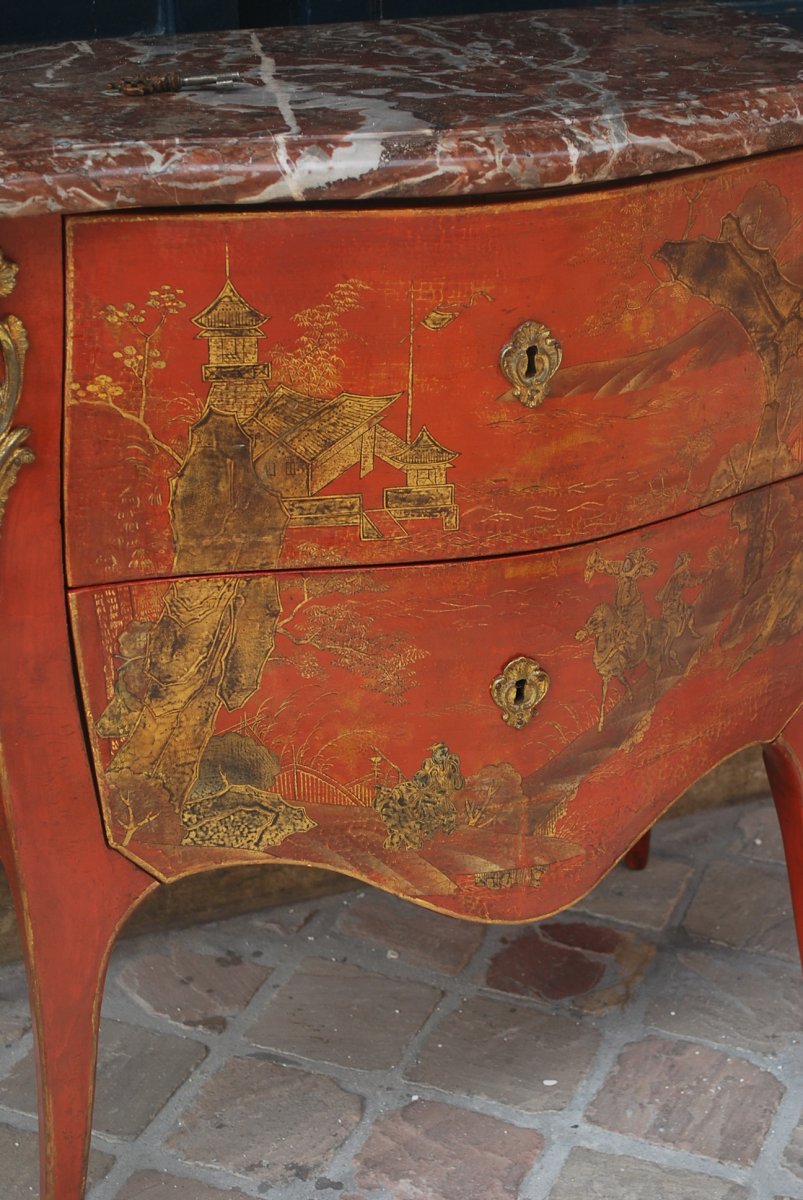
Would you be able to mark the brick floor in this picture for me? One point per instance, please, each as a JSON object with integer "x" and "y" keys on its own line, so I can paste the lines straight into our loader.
{"x": 155, "y": 1185}
{"x": 413, "y": 934}
{"x": 647, "y": 1046}
{"x": 744, "y": 906}
{"x": 593, "y": 966}
{"x": 793, "y": 1154}
{"x": 138, "y": 1071}
{"x": 267, "y": 1122}
{"x": 689, "y": 1097}
{"x": 325, "y": 1008}
{"x": 19, "y": 1164}
{"x": 721, "y": 999}
{"x": 429, "y": 1149}
{"x": 200, "y": 990}
{"x": 622, "y": 896}
{"x": 15, "y": 1017}
{"x": 515, "y": 1055}
{"x": 589, "y": 1175}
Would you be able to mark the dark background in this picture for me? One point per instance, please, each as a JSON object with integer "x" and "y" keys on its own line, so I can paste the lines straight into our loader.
{"x": 58, "y": 20}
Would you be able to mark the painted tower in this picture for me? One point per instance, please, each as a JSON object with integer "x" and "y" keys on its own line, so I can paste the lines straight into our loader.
{"x": 232, "y": 329}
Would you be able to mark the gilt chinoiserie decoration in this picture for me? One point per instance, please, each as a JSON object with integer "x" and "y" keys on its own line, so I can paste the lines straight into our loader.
{"x": 220, "y": 731}
{"x": 309, "y": 476}
{"x": 242, "y": 704}
{"x": 362, "y": 408}
{"x": 14, "y": 454}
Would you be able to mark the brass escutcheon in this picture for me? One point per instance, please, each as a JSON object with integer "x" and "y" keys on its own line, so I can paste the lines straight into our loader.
{"x": 529, "y": 360}
{"x": 519, "y": 690}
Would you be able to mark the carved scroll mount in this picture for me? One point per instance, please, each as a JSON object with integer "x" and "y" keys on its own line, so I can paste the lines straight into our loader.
{"x": 519, "y": 690}
{"x": 529, "y": 360}
{"x": 13, "y": 347}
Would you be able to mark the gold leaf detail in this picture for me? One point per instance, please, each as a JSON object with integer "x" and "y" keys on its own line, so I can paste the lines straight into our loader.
{"x": 13, "y": 348}
{"x": 8, "y": 275}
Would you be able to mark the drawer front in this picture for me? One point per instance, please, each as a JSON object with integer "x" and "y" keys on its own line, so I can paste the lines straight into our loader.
{"x": 351, "y": 719}
{"x": 249, "y": 391}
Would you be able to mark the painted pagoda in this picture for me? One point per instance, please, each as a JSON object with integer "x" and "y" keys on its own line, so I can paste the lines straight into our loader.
{"x": 301, "y": 444}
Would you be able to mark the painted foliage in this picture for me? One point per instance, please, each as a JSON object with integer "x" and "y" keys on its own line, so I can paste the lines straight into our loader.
{"x": 240, "y": 707}
{"x": 354, "y": 359}
{"x": 354, "y": 727}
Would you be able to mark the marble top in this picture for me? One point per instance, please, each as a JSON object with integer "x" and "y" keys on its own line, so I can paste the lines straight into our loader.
{"x": 431, "y": 108}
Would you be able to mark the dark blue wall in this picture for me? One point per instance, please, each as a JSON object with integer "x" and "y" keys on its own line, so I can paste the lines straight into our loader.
{"x": 58, "y": 20}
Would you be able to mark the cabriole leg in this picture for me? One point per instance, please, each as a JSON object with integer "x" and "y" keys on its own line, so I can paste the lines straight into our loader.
{"x": 784, "y": 762}
{"x": 67, "y": 925}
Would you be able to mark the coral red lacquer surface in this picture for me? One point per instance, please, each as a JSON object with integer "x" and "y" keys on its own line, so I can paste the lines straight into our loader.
{"x": 365, "y": 382}
{"x": 345, "y": 719}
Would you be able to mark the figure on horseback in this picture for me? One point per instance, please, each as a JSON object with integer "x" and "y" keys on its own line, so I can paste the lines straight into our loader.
{"x": 622, "y": 631}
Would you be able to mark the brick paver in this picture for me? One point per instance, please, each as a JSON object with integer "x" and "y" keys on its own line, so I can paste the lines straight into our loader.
{"x": 793, "y": 1154}
{"x": 507, "y": 1052}
{"x": 192, "y": 989}
{"x": 744, "y": 906}
{"x": 19, "y": 1164}
{"x": 414, "y": 935}
{"x": 287, "y": 921}
{"x": 155, "y": 1185}
{"x": 590, "y": 1175}
{"x": 138, "y": 1071}
{"x": 689, "y": 1097}
{"x": 15, "y": 1016}
{"x": 324, "y": 1011}
{"x": 594, "y": 966}
{"x": 429, "y": 1149}
{"x": 721, "y": 999}
{"x": 535, "y": 964}
{"x": 646, "y": 1046}
{"x": 758, "y": 835}
{"x": 271, "y": 1123}
{"x": 622, "y": 895}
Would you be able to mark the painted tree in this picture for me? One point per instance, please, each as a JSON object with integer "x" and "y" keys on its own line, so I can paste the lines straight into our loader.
{"x": 313, "y": 364}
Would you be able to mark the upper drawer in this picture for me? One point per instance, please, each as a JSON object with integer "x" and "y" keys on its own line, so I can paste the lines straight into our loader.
{"x": 253, "y": 390}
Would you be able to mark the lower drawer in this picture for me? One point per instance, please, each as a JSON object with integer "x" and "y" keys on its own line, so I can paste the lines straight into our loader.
{"x": 346, "y": 719}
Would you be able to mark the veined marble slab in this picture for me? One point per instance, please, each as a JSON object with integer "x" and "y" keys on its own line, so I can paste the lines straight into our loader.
{"x": 478, "y": 105}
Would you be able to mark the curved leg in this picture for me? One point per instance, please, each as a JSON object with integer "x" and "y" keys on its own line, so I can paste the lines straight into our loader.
{"x": 783, "y": 759}
{"x": 70, "y": 890}
{"x": 638, "y": 855}
{"x": 67, "y": 926}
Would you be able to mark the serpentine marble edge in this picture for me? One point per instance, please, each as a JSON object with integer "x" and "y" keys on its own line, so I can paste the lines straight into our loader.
{"x": 446, "y": 107}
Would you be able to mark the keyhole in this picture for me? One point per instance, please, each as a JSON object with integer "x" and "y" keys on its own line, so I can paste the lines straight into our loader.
{"x": 519, "y": 696}
{"x": 532, "y": 352}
